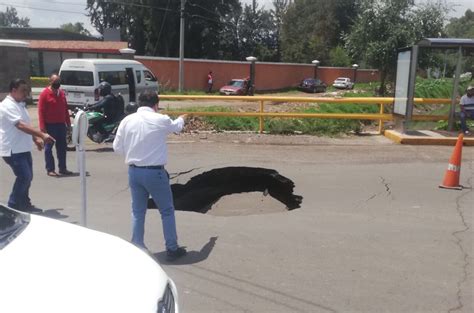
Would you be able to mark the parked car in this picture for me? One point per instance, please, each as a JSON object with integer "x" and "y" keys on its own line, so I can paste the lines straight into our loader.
{"x": 312, "y": 85}
{"x": 80, "y": 79}
{"x": 237, "y": 87}
{"x": 343, "y": 83}
{"x": 52, "y": 266}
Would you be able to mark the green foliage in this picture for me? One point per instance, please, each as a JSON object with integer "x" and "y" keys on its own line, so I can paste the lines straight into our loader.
{"x": 438, "y": 88}
{"x": 310, "y": 29}
{"x": 317, "y": 126}
{"x": 10, "y": 18}
{"x": 382, "y": 27}
{"x": 39, "y": 81}
{"x": 339, "y": 57}
{"x": 462, "y": 27}
{"x": 75, "y": 28}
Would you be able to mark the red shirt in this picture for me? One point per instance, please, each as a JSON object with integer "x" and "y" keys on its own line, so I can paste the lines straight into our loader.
{"x": 52, "y": 108}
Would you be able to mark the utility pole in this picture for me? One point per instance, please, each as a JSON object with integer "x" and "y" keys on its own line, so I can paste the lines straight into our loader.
{"x": 181, "y": 48}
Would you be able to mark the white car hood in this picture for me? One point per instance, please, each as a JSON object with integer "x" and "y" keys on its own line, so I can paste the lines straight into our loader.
{"x": 68, "y": 268}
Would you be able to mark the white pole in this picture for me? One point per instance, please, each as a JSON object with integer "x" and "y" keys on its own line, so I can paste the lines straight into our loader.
{"x": 78, "y": 136}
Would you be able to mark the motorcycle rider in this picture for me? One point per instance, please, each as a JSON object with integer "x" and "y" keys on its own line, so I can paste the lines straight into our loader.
{"x": 112, "y": 106}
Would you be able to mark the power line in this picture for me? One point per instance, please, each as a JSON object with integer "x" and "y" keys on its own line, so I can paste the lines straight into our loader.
{"x": 61, "y": 2}
{"x": 39, "y": 9}
{"x": 147, "y": 6}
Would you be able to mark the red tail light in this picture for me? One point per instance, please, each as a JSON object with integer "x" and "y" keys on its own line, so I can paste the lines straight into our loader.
{"x": 96, "y": 94}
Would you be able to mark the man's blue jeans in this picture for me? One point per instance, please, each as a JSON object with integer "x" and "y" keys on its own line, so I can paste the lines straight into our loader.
{"x": 463, "y": 115}
{"x": 22, "y": 166}
{"x": 58, "y": 132}
{"x": 155, "y": 182}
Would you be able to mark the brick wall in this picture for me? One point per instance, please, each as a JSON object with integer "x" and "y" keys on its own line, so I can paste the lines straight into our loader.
{"x": 268, "y": 76}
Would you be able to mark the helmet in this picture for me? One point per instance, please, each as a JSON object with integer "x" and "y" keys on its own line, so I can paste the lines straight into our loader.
{"x": 131, "y": 107}
{"x": 105, "y": 89}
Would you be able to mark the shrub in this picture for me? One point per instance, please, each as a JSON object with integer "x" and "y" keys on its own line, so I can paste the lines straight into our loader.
{"x": 39, "y": 81}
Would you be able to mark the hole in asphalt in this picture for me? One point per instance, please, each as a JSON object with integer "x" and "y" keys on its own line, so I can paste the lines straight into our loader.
{"x": 235, "y": 191}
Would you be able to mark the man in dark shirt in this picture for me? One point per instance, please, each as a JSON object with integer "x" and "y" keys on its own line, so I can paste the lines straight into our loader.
{"x": 54, "y": 119}
{"x": 112, "y": 106}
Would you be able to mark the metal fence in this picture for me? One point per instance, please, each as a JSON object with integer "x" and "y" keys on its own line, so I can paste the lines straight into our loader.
{"x": 381, "y": 117}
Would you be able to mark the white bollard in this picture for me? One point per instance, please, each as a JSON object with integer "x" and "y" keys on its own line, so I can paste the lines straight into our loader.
{"x": 79, "y": 133}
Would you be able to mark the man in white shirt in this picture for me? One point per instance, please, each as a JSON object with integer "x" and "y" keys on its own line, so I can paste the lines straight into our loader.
{"x": 141, "y": 138}
{"x": 16, "y": 141}
{"x": 467, "y": 108}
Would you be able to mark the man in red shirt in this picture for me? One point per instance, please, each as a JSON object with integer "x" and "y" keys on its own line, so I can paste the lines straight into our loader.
{"x": 54, "y": 119}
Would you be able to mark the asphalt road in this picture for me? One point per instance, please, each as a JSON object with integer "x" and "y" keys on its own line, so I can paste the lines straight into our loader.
{"x": 374, "y": 232}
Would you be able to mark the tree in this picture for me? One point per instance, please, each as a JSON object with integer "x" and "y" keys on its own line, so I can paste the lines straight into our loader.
{"x": 462, "y": 27}
{"x": 10, "y": 18}
{"x": 382, "y": 27}
{"x": 152, "y": 26}
{"x": 75, "y": 28}
{"x": 278, "y": 13}
{"x": 312, "y": 27}
{"x": 339, "y": 57}
{"x": 257, "y": 33}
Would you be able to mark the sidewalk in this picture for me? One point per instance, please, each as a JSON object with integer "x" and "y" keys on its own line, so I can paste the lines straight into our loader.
{"x": 428, "y": 137}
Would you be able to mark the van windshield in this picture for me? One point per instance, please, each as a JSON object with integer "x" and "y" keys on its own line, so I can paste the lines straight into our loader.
{"x": 77, "y": 78}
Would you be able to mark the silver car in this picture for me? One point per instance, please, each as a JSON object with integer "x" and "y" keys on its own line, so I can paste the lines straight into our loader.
{"x": 343, "y": 83}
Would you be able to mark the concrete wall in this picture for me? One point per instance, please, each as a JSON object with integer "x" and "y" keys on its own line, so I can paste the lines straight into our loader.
{"x": 14, "y": 63}
{"x": 269, "y": 76}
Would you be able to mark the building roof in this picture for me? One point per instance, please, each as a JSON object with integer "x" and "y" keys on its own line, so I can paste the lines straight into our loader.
{"x": 78, "y": 46}
{"x": 42, "y": 34}
{"x": 446, "y": 42}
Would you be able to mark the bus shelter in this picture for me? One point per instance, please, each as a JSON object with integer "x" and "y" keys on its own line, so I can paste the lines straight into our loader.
{"x": 407, "y": 64}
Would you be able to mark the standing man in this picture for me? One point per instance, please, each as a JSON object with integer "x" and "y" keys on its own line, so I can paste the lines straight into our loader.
{"x": 141, "y": 138}
{"x": 16, "y": 138}
{"x": 210, "y": 82}
{"x": 54, "y": 119}
{"x": 467, "y": 108}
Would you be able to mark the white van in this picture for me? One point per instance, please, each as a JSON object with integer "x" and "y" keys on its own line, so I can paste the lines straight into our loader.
{"x": 81, "y": 77}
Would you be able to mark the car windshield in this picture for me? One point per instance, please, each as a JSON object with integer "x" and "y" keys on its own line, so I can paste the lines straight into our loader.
{"x": 12, "y": 223}
{"x": 341, "y": 79}
{"x": 236, "y": 83}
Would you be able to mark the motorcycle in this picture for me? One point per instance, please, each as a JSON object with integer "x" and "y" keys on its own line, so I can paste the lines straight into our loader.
{"x": 99, "y": 130}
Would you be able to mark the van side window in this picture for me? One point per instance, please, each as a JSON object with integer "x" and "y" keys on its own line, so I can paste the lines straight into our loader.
{"x": 77, "y": 78}
{"x": 114, "y": 77}
{"x": 139, "y": 76}
{"x": 149, "y": 76}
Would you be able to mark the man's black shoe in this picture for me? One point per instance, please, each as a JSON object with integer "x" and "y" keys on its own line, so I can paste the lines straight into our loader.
{"x": 66, "y": 173}
{"x": 32, "y": 209}
{"x": 172, "y": 255}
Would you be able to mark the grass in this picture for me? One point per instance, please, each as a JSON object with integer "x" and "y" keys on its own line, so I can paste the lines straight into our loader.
{"x": 315, "y": 126}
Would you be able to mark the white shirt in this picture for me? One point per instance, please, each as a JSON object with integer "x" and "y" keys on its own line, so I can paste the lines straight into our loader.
{"x": 467, "y": 103}
{"x": 141, "y": 137}
{"x": 13, "y": 140}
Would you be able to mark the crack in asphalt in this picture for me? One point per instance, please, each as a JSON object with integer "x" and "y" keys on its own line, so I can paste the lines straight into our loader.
{"x": 387, "y": 186}
{"x": 182, "y": 173}
{"x": 459, "y": 243}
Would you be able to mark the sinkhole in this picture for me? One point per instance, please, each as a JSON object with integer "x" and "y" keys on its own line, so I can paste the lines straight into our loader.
{"x": 232, "y": 191}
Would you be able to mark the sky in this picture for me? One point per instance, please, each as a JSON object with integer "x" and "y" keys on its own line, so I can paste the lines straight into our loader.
{"x": 53, "y": 13}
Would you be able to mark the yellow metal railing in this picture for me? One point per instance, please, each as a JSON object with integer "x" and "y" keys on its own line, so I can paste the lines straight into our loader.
{"x": 261, "y": 114}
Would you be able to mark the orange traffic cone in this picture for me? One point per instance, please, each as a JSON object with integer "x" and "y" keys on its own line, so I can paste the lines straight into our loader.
{"x": 451, "y": 178}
